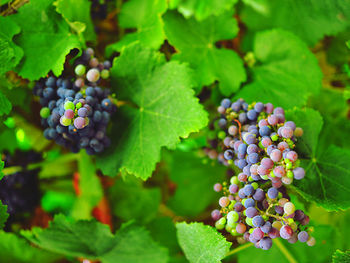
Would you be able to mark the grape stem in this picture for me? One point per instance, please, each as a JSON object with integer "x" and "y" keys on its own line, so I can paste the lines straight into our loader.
{"x": 284, "y": 251}
{"x": 13, "y": 7}
{"x": 164, "y": 210}
{"x": 239, "y": 128}
{"x": 63, "y": 159}
{"x": 238, "y": 249}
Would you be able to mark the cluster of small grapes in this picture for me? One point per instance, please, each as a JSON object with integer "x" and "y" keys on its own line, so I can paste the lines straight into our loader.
{"x": 76, "y": 111}
{"x": 257, "y": 140}
{"x": 20, "y": 191}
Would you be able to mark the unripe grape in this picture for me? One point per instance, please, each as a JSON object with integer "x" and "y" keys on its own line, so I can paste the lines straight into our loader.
{"x": 289, "y": 208}
{"x": 45, "y": 112}
{"x": 80, "y": 70}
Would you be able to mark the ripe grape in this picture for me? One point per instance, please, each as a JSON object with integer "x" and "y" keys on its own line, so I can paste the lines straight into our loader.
{"x": 286, "y": 232}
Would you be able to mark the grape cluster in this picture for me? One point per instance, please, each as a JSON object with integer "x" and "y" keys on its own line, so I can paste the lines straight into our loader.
{"x": 76, "y": 111}
{"x": 20, "y": 191}
{"x": 257, "y": 141}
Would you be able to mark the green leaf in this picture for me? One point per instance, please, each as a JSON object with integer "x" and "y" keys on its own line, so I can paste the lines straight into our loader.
{"x": 163, "y": 231}
{"x": 5, "y": 105}
{"x": 195, "y": 43}
{"x": 329, "y": 17}
{"x": 93, "y": 240}
{"x": 134, "y": 244}
{"x": 341, "y": 257}
{"x": 286, "y": 72}
{"x": 145, "y": 16}
{"x": 193, "y": 178}
{"x": 10, "y": 54}
{"x": 133, "y": 201}
{"x": 327, "y": 169}
{"x": 3, "y": 208}
{"x": 201, "y": 243}
{"x": 91, "y": 191}
{"x": 17, "y": 250}
{"x": 77, "y": 14}
{"x": 45, "y": 39}
{"x": 164, "y": 110}
{"x": 326, "y": 242}
{"x": 202, "y": 9}
{"x": 334, "y": 109}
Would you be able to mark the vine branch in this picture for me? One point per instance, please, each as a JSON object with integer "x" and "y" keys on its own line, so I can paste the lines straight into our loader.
{"x": 238, "y": 249}
{"x": 284, "y": 251}
{"x": 13, "y": 7}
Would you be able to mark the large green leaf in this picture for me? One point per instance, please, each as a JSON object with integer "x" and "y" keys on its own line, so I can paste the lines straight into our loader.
{"x": 341, "y": 257}
{"x": 311, "y": 20}
{"x": 10, "y": 54}
{"x": 133, "y": 201}
{"x": 202, "y": 9}
{"x": 201, "y": 243}
{"x": 91, "y": 191}
{"x": 77, "y": 14}
{"x": 164, "y": 109}
{"x": 134, "y": 244}
{"x": 332, "y": 104}
{"x": 14, "y": 249}
{"x": 193, "y": 178}
{"x": 145, "y": 16}
{"x": 195, "y": 43}
{"x": 326, "y": 242}
{"x": 286, "y": 72}
{"x": 45, "y": 39}
{"x": 93, "y": 240}
{"x": 327, "y": 179}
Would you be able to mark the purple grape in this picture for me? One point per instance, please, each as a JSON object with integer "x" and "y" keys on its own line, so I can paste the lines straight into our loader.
{"x": 267, "y": 163}
{"x": 266, "y": 141}
{"x": 257, "y": 234}
{"x": 287, "y": 132}
{"x": 292, "y": 156}
{"x": 303, "y": 236}
{"x": 79, "y": 123}
{"x": 217, "y": 187}
{"x": 226, "y": 103}
{"x": 272, "y": 193}
{"x": 233, "y": 188}
{"x": 259, "y": 195}
{"x": 253, "y": 158}
{"x": 69, "y": 114}
{"x": 249, "y": 203}
{"x": 266, "y": 227}
{"x": 251, "y": 212}
{"x": 215, "y": 214}
{"x": 252, "y": 148}
{"x": 299, "y": 173}
{"x": 82, "y": 112}
{"x": 265, "y": 243}
{"x": 286, "y": 232}
{"x": 259, "y": 107}
{"x": 268, "y": 108}
{"x": 272, "y": 119}
{"x": 248, "y": 190}
{"x": 258, "y": 221}
{"x": 276, "y": 155}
